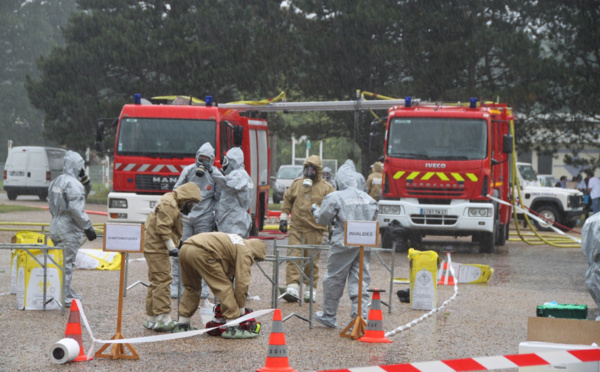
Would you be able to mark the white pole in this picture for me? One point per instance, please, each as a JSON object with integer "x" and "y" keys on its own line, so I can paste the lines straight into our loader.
{"x": 107, "y": 172}
{"x": 293, "y": 150}
{"x": 321, "y": 150}
{"x": 87, "y": 161}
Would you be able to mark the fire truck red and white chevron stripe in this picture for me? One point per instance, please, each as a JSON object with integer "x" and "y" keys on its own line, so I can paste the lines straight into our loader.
{"x": 152, "y": 168}
{"x": 488, "y": 363}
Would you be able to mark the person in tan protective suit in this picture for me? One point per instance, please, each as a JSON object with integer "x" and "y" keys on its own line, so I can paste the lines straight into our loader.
{"x": 374, "y": 181}
{"x": 163, "y": 231}
{"x": 298, "y": 198}
{"x": 217, "y": 258}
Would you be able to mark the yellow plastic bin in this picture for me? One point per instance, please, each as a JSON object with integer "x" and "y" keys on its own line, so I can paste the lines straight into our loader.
{"x": 423, "y": 273}
{"x": 30, "y": 274}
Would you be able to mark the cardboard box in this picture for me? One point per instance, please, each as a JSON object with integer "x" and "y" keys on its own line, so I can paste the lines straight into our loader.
{"x": 554, "y": 334}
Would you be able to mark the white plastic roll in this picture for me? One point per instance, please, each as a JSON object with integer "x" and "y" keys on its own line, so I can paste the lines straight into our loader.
{"x": 65, "y": 350}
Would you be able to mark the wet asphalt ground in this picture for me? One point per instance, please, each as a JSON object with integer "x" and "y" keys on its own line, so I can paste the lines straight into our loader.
{"x": 484, "y": 320}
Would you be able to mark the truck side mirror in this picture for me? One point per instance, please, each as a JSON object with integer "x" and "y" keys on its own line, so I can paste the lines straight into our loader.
{"x": 238, "y": 136}
{"x": 507, "y": 144}
{"x": 374, "y": 141}
{"x": 100, "y": 137}
{"x": 375, "y": 134}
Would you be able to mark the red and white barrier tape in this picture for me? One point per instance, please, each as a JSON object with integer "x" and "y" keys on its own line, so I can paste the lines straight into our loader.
{"x": 531, "y": 215}
{"x": 488, "y": 363}
{"x": 433, "y": 311}
{"x": 160, "y": 337}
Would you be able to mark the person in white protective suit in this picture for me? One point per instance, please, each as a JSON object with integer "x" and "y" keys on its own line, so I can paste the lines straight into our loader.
{"x": 326, "y": 175}
{"x": 361, "y": 183}
{"x": 590, "y": 244}
{"x": 236, "y": 194}
{"x": 66, "y": 200}
{"x": 343, "y": 262}
{"x": 202, "y": 217}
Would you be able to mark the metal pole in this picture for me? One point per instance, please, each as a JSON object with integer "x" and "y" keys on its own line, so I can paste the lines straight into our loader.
{"x": 293, "y": 150}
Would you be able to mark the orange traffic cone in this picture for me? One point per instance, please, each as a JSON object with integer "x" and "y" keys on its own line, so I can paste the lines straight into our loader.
{"x": 277, "y": 358}
{"x": 374, "y": 332}
{"x": 447, "y": 278}
{"x": 73, "y": 330}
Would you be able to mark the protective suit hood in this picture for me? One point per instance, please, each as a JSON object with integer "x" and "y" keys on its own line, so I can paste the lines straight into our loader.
{"x": 187, "y": 192}
{"x": 315, "y": 161}
{"x": 207, "y": 150}
{"x": 73, "y": 163}
{"x": 350, "y": 163}
{"x": 258, "y": 248}
{"x": 236, "y": 158}
{"x": 346, "y": 177}
{"x": 378, "y": 167}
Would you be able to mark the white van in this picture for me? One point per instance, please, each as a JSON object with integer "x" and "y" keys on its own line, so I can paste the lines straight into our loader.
{"x": 29, "y": 170}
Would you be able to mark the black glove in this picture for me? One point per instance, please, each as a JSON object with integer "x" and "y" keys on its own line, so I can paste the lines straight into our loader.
{"x": 174, "y": 253}
{"x": 180, "y": 244}
{"x": 208, "y": 166}
{"x": 283, "y": 226}
{"x": 90, "y": 233}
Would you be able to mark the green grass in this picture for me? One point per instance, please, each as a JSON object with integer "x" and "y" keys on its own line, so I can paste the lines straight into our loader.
{"x": 4, "y": 208}
{"x": 98, "y": 195}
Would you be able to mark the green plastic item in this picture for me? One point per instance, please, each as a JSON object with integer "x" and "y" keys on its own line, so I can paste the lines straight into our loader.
{"x": 568, "y": 311}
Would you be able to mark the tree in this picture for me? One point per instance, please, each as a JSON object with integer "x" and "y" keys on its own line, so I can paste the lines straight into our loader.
{"x": 431, "y": 49}
{"x": 27, "y": 29}
{"x": 571, "y": 115}
{"x": 230, "y": 50}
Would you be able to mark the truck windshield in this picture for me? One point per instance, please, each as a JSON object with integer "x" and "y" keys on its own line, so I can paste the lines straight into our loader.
{"x": 437, "y": 138}
{"x": 527, "y": 173}
{"x": 163, "y": 138}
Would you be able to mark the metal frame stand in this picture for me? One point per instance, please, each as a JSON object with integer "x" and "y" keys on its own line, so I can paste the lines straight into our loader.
{"x": 44, "y": 248}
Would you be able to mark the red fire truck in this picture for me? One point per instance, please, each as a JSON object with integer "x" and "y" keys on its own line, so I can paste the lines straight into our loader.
{"x": 441, "y": 163}
{"x": 154, "y": 142}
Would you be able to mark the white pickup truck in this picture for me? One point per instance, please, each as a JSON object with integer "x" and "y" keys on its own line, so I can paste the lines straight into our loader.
{"x": 564, "y": 206}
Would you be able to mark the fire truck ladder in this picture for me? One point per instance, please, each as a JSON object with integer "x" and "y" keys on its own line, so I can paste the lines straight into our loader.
{"x": 352, "y": 105}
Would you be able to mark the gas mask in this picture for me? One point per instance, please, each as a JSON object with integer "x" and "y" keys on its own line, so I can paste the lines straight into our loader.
{"x": 187, "y": 207}
{"x": 201, "y": 168}
{"x": 83, "y": 177}
{"x": 225, "y": 165}
{"x": 310, "y": 172}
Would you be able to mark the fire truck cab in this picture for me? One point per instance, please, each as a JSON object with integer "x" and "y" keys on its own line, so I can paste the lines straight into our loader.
{"x": 441, "y": 163}
{"x": 154, "y": 142}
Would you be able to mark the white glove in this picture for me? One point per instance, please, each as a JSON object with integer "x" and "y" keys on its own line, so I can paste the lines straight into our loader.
{"x": 170, "y": 245}
{"x": 283, "y": 217}
{"x": 242, "y": 311}
{"x": 313, "y": 208}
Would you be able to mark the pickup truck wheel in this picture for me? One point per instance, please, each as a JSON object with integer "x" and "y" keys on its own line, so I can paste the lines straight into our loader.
{"x": 549, "y": 213}
{"x": 276, "y": 199}
{"x": 486, "y": 242}
{"x": 43, "y": 196}
{"x": 11, "y": 195}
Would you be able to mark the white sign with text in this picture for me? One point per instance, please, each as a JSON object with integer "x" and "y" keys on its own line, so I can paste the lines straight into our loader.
{"x": 120, "y": 237}
{"x": 362, "y": 233}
